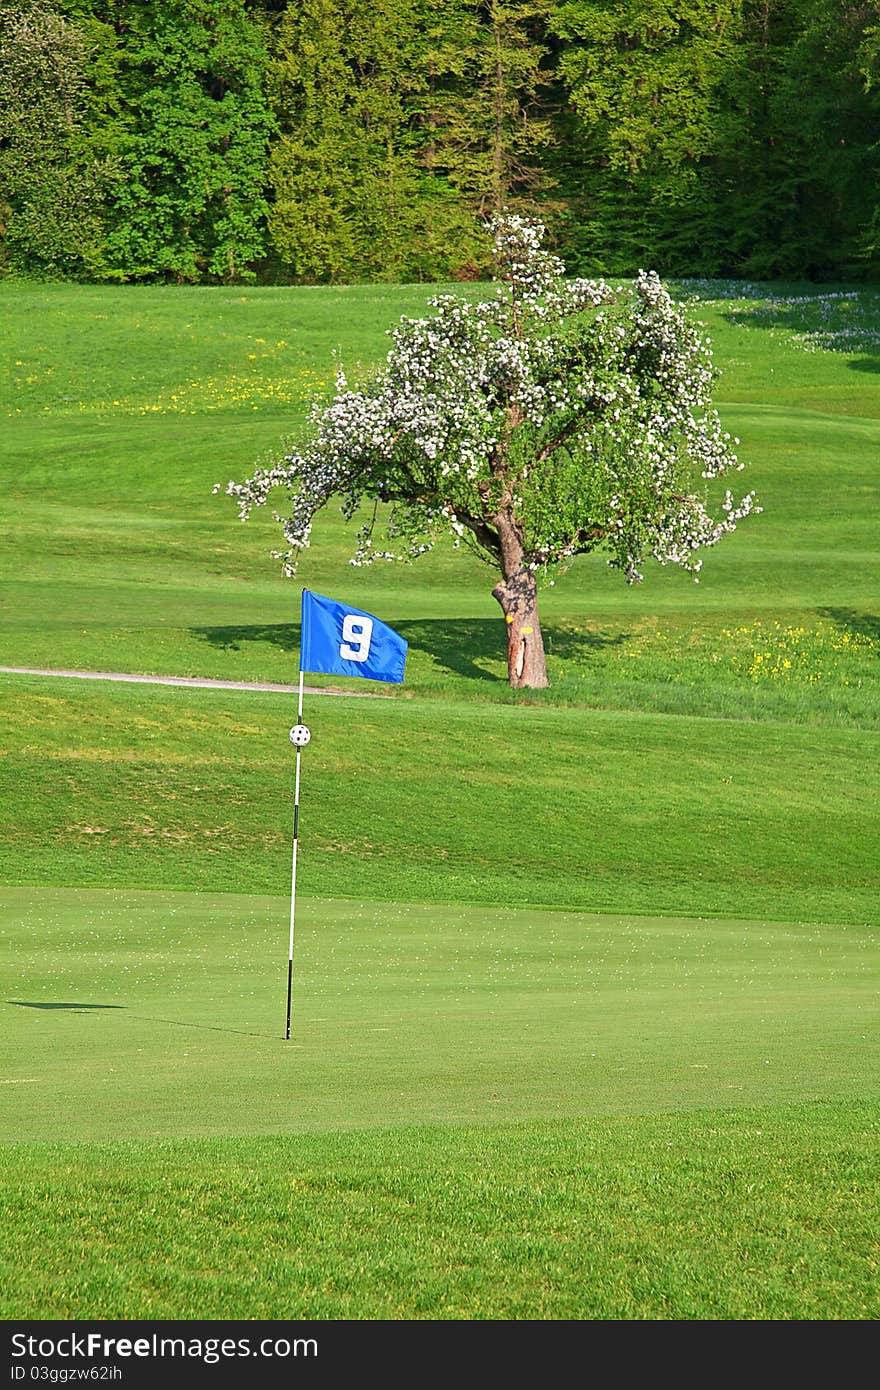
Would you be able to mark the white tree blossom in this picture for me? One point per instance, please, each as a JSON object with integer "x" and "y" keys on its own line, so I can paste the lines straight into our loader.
{"x": 555, "y": 417}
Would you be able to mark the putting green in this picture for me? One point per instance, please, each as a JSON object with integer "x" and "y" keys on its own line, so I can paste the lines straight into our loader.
{"x": 151, "y": 1014}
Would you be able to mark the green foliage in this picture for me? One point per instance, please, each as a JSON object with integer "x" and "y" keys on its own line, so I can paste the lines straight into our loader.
{"x": 352, "y": 199}
{"x": 490, "y": 118}
{"x": 52, "y": 176}
{"x": 645, "y": 80}
{"x": 728, "y": 139}
{"x": 340, "y": 140}
{"x": 402, "y": 123}
{"x": 193, "y": 131}
{"x": 799, "y": 171}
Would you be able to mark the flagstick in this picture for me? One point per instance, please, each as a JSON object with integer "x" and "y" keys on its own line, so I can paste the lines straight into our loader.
{"x": 293, "y": 867}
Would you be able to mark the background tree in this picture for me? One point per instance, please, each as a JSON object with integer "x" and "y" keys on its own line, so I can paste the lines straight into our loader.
{"x": 360, "y": 174}
{"x": 797, "y": 175}
{"x": 196, "y": 133}
{"x": 554, "y": 419}
{"x": 205, "y": 140}
{"x": 647, "y": 81}
{"x": 493, "y": 123}
{"x": 342, "y": 175}
{"x": 868, "y": 65}
{"x": 52, "y": 175}
{"x": 723, "y": 138}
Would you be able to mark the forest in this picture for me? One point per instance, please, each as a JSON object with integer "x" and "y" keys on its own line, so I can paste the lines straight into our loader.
{"x": 344, "y": 141}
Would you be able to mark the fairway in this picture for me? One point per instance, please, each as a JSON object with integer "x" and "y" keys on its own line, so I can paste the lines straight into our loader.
{"x": 118, "y": 555}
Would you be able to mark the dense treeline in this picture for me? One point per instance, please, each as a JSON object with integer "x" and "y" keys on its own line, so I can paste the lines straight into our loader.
{"x": 336, "y": 140}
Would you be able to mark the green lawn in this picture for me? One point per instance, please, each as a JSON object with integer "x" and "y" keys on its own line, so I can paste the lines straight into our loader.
{"x": 765, "y": 1213}
{"x": 585, "y": 981}
{"x": 142, "y": 1014}
{"x": 428, "y": 800}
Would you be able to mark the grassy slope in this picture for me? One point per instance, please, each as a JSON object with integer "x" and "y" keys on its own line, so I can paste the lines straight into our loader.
{"x": 124, "y": 408}
{"x": 426, "y": 800}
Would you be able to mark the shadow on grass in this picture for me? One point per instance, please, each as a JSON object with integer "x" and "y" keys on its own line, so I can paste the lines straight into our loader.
{"x": 74, "y": 1008}
{"x": 285, "y": 636}
{"x": 460, "y": 646}
{"x": 205, "y": 1027}
{"x": 859, "y": 624}
{"x": 835, "y": 324}
{"x": 466, "y": 646}
{"x": 865, "y": 364}
{"x": 172, "y": 1022}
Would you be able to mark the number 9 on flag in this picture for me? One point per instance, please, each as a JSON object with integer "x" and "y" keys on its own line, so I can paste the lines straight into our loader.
{"x": 356, "y": 635}
{"x": 340, "y": 640}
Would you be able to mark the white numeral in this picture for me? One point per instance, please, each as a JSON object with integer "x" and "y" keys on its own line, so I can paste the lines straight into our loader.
{"x": 356, "y": 634}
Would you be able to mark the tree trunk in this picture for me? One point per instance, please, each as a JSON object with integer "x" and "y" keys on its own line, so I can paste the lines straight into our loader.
{"x": 518, "y": 596}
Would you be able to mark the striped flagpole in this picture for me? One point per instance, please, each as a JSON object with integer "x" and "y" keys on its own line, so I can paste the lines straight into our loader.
{"x": 299, "y": 725}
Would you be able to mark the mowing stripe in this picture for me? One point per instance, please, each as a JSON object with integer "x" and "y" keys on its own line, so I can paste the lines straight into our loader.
{"x": 189, "y": 680}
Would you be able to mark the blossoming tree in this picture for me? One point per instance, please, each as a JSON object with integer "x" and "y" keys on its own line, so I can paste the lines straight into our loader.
{"x": 556, "y": 417}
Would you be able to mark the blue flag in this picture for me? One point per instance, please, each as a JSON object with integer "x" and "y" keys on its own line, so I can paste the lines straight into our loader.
{"x": 339, "y": 640}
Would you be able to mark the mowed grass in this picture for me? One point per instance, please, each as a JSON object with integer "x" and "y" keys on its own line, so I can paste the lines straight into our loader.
{"x": 153, "y": 1014}
{"x": 585, "y": 980}
{"x": 409, "y": 800}
{"x": 728, "y": 1067}
{"x": 735, "y": 1214}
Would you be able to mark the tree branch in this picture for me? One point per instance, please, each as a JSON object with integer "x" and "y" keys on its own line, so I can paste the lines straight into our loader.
{"x": 483, "y": 533}
{"x": 560, "y": 437}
